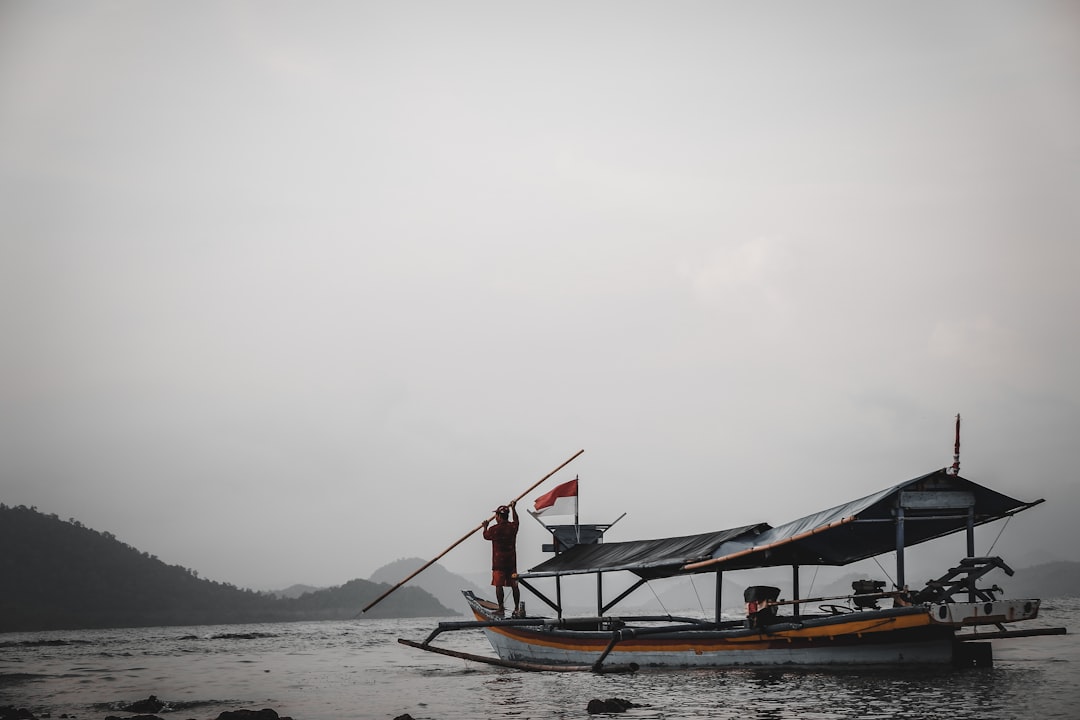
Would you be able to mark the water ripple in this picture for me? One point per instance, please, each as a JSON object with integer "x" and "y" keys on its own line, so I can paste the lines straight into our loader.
{"x": 320, "y": 671}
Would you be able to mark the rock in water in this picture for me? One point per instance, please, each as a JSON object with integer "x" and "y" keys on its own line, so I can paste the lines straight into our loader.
{"x": 10, "y": 712}
{"x": 611, "y": 705}
{"x": 150, "y": 705}
{"x": 264, "y": 714}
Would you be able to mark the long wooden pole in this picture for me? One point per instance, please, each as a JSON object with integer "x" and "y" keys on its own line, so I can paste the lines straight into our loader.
{"x": 466, "y": 536}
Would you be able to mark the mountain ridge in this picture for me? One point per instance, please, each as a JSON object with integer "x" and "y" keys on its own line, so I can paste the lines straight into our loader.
{"x": 444, "y": 585}
{"x": 61, "y": 575}
{"x": 67, "y": 576}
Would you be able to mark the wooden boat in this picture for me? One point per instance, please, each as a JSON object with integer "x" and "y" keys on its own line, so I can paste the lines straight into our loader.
{"x": 950, "y": 620}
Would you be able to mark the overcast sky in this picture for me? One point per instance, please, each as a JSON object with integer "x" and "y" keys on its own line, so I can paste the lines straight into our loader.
{"x": 291, "y": 290}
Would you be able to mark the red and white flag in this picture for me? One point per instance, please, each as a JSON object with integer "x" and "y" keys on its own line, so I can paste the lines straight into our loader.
{"x": 560, "y": 501}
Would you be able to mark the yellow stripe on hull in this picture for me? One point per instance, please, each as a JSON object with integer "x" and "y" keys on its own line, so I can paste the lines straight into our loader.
{"x": 902, "y": 638}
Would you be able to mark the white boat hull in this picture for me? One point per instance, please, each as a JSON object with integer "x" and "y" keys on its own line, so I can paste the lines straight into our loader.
{"x": 924, "y": 635}
{"x": 936, "y": 652}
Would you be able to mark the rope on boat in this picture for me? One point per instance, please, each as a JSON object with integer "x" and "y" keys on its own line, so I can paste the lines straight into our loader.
{"x": 697, "y": 595}
{"x": 885, "y": 573}
{"x": 658, "y": 600}
{"x": 1003, "y": 526}
{"x": 813, "y": 580}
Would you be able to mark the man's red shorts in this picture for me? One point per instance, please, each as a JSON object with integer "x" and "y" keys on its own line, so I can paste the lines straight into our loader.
{"x": 503, "y": 578}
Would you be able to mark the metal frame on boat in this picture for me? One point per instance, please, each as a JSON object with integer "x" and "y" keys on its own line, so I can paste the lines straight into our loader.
{"x": 937, "y": 624}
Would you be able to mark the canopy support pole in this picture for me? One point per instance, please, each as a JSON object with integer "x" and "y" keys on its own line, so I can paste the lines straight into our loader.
{"x": 556, "y": 606}
{"x": 970, "y": 539}
{"x": 616, "y": 601}
{"x": 558, "y": 594}
{"x": 794, "y": 589}
{"x": 719, "y": 594}
{"x": 600, "y": 594}
{"x": 900, "y": 582}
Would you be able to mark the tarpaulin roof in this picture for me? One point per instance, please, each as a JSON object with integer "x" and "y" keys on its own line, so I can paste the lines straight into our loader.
{"x": 648, "y": 558}
{"x": 932, "y": 506}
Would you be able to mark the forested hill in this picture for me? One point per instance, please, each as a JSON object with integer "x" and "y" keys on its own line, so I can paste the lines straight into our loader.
{"x": 59, "y": 574}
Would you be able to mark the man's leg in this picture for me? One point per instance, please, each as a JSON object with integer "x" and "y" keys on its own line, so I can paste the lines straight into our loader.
{"x": 500, "y": 597}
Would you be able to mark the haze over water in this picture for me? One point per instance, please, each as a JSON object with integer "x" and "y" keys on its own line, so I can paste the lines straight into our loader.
{"x": 338, "y": 670}
{"x": 362, "y": 271}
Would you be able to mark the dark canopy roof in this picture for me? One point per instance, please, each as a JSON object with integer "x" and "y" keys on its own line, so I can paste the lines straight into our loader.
{"x": 933, "y": 505}
{"x": 648, "y": 558}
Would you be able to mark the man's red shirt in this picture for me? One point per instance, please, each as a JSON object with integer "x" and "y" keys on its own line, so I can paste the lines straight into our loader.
{"x": 503, "y": 537}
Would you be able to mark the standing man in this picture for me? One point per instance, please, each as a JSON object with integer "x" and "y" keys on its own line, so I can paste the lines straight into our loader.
{"x": 503, "y": 537}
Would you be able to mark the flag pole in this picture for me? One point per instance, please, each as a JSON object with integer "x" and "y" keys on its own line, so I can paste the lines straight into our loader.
{"x": 956, "y": 450}
{"x": 577, "y": 508}
{"x": 464, "y": 537}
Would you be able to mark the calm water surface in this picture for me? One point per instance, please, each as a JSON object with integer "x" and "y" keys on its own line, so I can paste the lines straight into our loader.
{"x": 335, "y": 670}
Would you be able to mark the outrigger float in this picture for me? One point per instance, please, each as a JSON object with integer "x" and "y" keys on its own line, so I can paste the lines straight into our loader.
{"x": 948, "y": 621}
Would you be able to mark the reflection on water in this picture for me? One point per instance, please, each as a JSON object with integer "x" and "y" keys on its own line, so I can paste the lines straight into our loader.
{"x": 319, "y": 671}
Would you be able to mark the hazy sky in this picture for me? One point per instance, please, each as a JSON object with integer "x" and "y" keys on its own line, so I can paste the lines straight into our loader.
{"x": 291, "y": 290}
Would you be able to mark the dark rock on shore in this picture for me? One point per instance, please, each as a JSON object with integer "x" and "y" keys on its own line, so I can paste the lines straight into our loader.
{"x": 264, "y": 714}
{"x": 152, "y": 704}
{"x": 611, "y": 705}
{"x": 149, "y": 706}
{"x": 10, "y": 712}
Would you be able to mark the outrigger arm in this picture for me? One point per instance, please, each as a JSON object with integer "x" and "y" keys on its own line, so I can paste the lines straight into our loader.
{"x": 516, "y": 664}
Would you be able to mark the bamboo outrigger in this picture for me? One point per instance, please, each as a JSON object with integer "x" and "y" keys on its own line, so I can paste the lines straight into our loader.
{"x": 947, "y": 621}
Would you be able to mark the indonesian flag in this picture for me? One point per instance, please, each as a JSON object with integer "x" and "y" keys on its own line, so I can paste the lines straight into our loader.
{"x": 560, "y": 501}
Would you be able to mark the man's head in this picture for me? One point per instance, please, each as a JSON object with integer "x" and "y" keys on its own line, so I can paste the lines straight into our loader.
{"x": 502, "y": 513}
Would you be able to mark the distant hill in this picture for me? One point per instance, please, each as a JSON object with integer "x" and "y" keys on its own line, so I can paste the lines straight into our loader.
{"x": 437, "y": 580}
{"x": 295, "y": 591}
{"x": 345, "y": 601}
{"x": 1049, "y": 580}
{"x": 61, "y": 575}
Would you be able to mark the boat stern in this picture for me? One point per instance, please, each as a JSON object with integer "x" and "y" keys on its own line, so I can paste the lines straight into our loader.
{"x": 996, "y": 612}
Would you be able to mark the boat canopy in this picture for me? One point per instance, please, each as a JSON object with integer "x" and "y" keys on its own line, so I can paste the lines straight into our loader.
{"x": 925, "y": 508}
{"x": 647, "y": 558}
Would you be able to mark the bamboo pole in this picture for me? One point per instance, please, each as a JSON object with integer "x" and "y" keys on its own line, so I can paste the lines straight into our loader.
{"x": 850, "y": 596}
{"x": 465, "y": 537}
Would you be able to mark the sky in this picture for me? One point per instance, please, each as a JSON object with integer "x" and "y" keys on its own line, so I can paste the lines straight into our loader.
{"x": 289, "y": 291}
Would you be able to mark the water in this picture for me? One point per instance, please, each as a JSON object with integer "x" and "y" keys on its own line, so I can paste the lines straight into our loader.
{"x": 337, "y": 670}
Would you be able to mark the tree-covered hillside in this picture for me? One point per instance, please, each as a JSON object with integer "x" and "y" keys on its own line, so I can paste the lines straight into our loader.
{"x": 61, "y": 575}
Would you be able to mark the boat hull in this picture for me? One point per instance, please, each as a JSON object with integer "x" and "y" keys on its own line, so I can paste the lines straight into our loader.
{"x": 894, "y": 636}
{"x": 689, "y": 652}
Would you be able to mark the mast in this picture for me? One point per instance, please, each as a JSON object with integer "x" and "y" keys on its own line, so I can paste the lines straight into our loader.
{"x": 955, "y": 472}
{"x": 577, "y": 506}
{"x": 955, "y": 469}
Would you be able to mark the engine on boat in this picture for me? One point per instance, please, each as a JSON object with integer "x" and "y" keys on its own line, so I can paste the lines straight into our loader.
{"x": 760, "y": 605}
{"x": 867, "y": 593}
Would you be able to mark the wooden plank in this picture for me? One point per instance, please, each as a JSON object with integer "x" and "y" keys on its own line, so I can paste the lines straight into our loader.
{"x": 936, "y": 500}
{"x": 1033, "y": 632}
